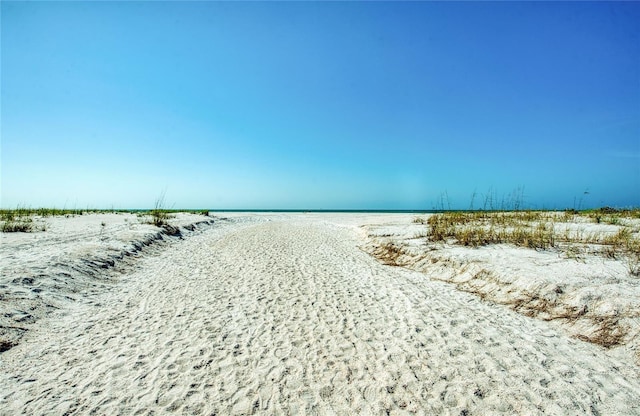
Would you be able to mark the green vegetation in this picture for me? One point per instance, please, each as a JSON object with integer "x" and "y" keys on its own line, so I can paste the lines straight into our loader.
{"x": 159, "y": 217}
{"x": 21, "y": 219}
{"x": 17, "y": 220}
{"x": 23, "y": 212}
{"x": 610, "y": 215}
{"x": 23, "y": 225}
{"x": 484, "y": 228}
{"x": 543, "y": 230}
{"x": 159, "y": 214}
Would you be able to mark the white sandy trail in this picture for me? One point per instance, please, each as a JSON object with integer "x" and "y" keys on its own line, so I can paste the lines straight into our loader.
{"x": 291, "y": 318}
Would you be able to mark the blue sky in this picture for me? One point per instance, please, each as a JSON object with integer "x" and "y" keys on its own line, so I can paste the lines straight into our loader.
{"x": 319, "y": 105}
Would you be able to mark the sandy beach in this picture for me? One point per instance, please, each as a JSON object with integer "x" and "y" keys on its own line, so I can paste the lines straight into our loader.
{"x": 292, "y": 314}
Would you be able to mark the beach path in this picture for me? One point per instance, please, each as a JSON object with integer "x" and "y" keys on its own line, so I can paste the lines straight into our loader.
{"x": 290, "y": 317}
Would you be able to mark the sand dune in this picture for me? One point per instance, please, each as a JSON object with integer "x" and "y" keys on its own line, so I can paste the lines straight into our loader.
{"x": 77, "y": 256}
{"x": 590, "y": 297}
{"x": 284, "y": 314}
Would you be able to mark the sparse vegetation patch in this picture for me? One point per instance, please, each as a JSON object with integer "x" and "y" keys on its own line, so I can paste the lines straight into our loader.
{"x": 159, "y": 214}
{"x": 540, "y": 230}
{"x": 389, "y": 253}
{"x": 18, "y": 220}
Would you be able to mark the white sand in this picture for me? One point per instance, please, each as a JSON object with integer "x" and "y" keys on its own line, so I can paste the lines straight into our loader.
{"x": 591, "y": 297}
{"x": 284, "y": 314}
{"x": 77, "y": 255}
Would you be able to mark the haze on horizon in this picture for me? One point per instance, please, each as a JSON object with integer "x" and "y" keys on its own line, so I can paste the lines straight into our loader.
{"x": 319, "y": 105}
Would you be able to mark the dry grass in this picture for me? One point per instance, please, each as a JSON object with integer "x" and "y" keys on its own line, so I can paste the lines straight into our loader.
{"x": 18, "y": 221}
{"x": 24, "y": 225}
{"x": 609, "y": 332}
{"x": 388, "y": 253}
{"x": 525, "y": 229}
{"x": 540, "y": 230}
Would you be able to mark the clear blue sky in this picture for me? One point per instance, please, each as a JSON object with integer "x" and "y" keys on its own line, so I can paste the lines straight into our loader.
{"x": 319, "y": 105}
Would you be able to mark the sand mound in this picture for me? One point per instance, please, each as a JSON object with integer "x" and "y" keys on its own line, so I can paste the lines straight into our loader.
{"x": 591, "y": 297}
{"x": 45, "y": 271}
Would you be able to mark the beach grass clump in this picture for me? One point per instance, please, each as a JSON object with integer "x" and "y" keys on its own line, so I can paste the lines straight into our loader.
{"x": 55, "y": 212}
{"x": 537, "y": 230}
{"x": 20, "y": 219}
{"x": 22, "y": 225}
{"x": 159, "y": 214}
{"x": 609, "y": 332}
{"x": 622, "y": 238}
{"x": 16, "y": 220}
{"x": 475, "y": 230}
{"x": 159, "y": 217}
{"x": 612, "y": 216}
{"x": 15, "y": 214}
{"x": 389, "y": 253}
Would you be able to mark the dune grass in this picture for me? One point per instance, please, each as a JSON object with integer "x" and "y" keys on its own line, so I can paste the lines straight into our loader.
{"x": 21, "y": 219}
{"x": 24, "y": 212}
{"x": 17, "y": 220}
{"x": 543, "y": 230}
{"x": 23, "y": 225}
